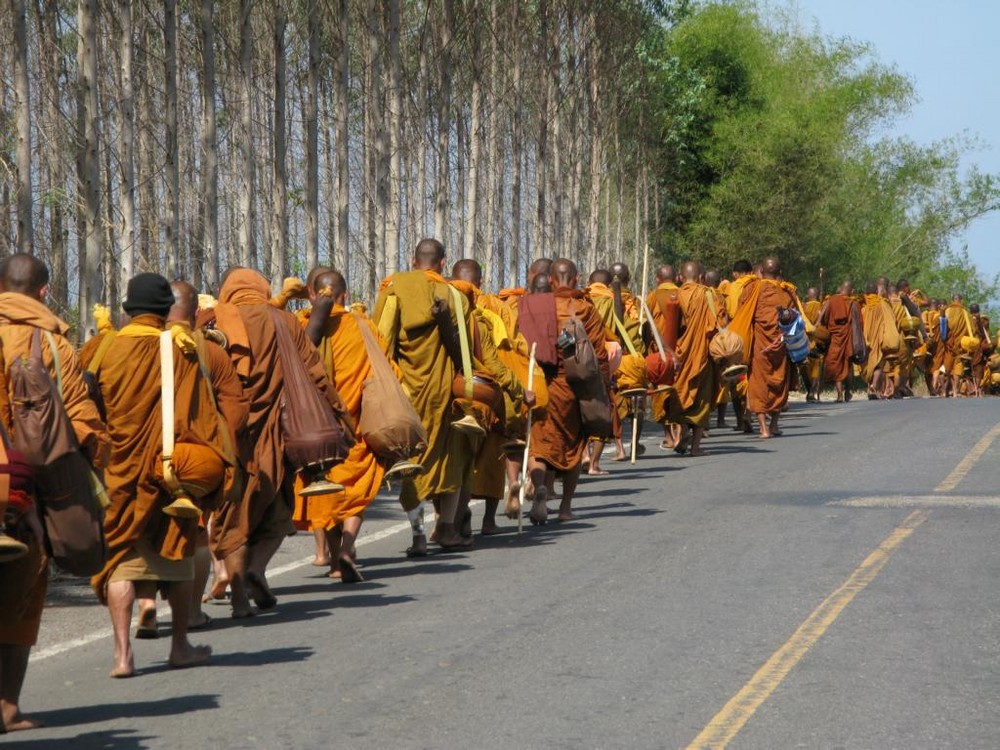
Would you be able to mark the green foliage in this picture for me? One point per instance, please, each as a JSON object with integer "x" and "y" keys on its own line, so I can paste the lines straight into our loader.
{"x": 769, "y": 144}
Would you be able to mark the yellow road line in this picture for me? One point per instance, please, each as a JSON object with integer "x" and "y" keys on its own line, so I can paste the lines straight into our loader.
{"x": 728, "y": 722}
{"x": 965, "y": 465}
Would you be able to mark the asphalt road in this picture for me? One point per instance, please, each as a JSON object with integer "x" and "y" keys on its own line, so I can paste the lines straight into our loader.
{"x": 685, "y": 583}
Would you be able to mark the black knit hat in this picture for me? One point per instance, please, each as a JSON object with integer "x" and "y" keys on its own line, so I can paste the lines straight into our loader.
{"x": 148, "y": 293}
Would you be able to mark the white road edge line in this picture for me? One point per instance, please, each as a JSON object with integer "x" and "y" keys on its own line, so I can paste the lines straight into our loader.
{"x": 84, "y": 640}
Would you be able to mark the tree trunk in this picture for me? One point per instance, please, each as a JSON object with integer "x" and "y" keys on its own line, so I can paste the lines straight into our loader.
{"x": 517, "y": 154}
{"x": 593, "y": 68}
{"x": 126, "y": 137}
{"x": 441, "y": 204}
{"x": 91, "y": 284}
{"x": 279, "y": 226}
{"x": 312, "y": 138}
{"x": 542, "y": 156}
{"x": 247, "y": 234}
{"x": 342, "y": 74}
{"x": 208, "y": 253}
{"x": 473, "y": 248}
{"x": 171, "y": 157}
{"x": 395, "y": 177}
{"x": 25, "y": 225}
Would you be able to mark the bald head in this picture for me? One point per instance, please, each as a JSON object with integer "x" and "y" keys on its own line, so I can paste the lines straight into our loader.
{"x": 24, "y": 274}
{"x": 665, "y": 274}
{"x": 770, "y": 268}
{"x": 812, "y": 294}
{"x": 712, "y": 278}
{"x": 428, "y": 255}
{"x": 600, "y": 276}
{"x": 563, "y": 274}
{"x": 334, "y": 280}
{"x": 692, "y": 271}
{"x": 621, "y": 271}
{"x": 847, "y": 287}
{"x": 539, "y": 268}
{"x": 185, "y": 305}
{"x": 468, "y": 270}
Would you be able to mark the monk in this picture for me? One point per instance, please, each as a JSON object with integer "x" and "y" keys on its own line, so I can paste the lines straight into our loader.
{"x": 147, "y": 548}
{"x": 959, "y": 326}
{"x": 24, "y": 284}
{"x": 538, "y": 268}
{"x": 883, "y": 339}
{"x": 836, "y": 316}
{"x": 813, "y": 367}
{"x": 405, "y": 318}
{"x": 658, "y": 303}
{"x": 344, "y": 355}
{"x": 234, "y": 407}
{"x": 742, "y": 274}
{"x": 489, "y": 470}
{"x": 769, "y": 379}
{"x": 713, "y": 280}
{"x": 694, "y": 386}
{"x": 980, "y": 331}
{"x": 249, "y": 532}
{"x": 558, "y": 438}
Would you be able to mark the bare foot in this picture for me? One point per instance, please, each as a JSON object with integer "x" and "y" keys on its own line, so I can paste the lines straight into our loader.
{"x": 418, "y": 548}
{"x": 698, "y": 453}
{"x": 189, "y": 656}
{"x": 321, "y": 562}
{"x": 453, "y": 540}
{"x": 513, "y": 501}
{"x": 218, "y": 590}
{"x": 539, "y": 510}
{"x": 564, "y": 517}
{"x": 599, "y": 472}
{"x": 490, "y": 528}
{"x": 18, "y": 722}
{"x": 349, "y": 571}
{"x": 124, "y": 666}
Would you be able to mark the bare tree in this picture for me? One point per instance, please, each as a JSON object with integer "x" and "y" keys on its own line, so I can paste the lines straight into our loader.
{"x": 25, "y": 227}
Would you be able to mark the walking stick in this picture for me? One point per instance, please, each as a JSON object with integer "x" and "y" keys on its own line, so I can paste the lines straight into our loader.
{"x": 636, "y": 400}
{"x": 527, "y": 447}
{"x": 645, "y": 286}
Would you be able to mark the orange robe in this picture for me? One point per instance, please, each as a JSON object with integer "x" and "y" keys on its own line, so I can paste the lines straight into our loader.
{"x": 557, "y": 438}
{"x": 666, "y": 290}
{"x": 345, "y": 358}
{"x": 768, "y": 382}
{"x": 129, "y": 382}
{"x": 958, "y": 326}
{"x": 25, "y": 581}
{"x": 881, "y": 334}
{"x": 403, "y": 317}
{"x": 694, "y": 384}
{"x": 837, "y": 319}
{"x": 813, "y": 365}
{"x": 244, "y": 316}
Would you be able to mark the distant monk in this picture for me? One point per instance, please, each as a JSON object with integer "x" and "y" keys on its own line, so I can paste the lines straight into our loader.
{"x": 742, "y": 274}
{"x": 345, "y": 357}
{"x": 249, "y": 532}
{"x": 149, "y": 549}
{"x": 405, "y": 318}
{"x": 660, "y": 302}
{"x": 694, "y": 387}
{"x": 558, "y": 438}
{"x": 609, "y": 306}
{"x": 539, "y": 268}
{"x": 959, "y": 325}
{"x": 813, "y": 367}
{"x": 837, "y": 314}
{"x": 883, "y": 340}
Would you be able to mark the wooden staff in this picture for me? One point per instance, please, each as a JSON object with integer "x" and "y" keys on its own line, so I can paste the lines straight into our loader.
{"x": 645, "y": 287}
{"x": 527, "y": 445}
{"x": 821, "y": 284}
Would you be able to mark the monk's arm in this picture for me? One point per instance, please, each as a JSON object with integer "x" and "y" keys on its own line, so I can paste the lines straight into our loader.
{"x": 595, "y": 330}
{"x": 82, "y": 412}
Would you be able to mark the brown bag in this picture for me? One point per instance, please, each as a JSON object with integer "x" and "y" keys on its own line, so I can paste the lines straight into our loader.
{"x": 69, "y": 494}
{"x": 389, "y": 424}
{"x": 313, "y": 435}
{"x": 583, "y": 373}
{"x": 859, "y": 347}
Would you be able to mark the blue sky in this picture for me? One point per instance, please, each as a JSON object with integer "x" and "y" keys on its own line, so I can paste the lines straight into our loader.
{"x": 951, "y": 52}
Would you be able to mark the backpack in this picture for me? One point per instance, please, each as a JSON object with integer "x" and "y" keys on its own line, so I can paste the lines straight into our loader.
{"x": 70, "y": 496}
{"x": 583, "y": 373}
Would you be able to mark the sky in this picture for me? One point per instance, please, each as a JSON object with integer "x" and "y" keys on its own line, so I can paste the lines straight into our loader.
{"x": 950, "y": 51}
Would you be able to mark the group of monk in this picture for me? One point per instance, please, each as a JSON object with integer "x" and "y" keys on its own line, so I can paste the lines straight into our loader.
{"x": 195, "y": 513}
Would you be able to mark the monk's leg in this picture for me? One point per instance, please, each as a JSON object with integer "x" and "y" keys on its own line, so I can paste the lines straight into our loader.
{"x": 444, "y": 530}
{"x": 773, "y": 426}
{"x": 513, "y": 487}
{"x": 236, "y": 569}
{"x": 13, "y": 668}
{"x": 260, "y": 553}
{"x": 322, "y": 557}
{"x": 619, "y": 449}
{"x": 720, "y": 416}
{"x": 418, "y": 547}
{"x": 762, "y": 421}
{"x": 570, "y": 480}
{"x": 202, "y": 566}
{"x": 489, "y": 516}
{"x": 463, "y": 515}
{"x": 349, "y": 530}
{"x": 540, "y": 478}
{"x": 182, "y": 653}
{"x": 121, "y": 597}
{"x": 594, "y": 449}
{"x": 697, "y": 433}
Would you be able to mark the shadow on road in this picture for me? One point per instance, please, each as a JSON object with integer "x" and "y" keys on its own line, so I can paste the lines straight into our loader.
{"x": 116, "y": 739}
{"x": 79, "y": 715}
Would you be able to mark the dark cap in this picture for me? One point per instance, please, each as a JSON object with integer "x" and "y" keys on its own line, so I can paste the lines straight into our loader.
{"x": 148, "y": 293}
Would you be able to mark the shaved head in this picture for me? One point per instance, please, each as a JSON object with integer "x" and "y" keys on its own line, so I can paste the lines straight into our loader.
{"x": 185, "y": 302}
{"x": 712, "y": 278}
{"x": 314, "y": 274}
{"x": 665, "y": 274}
{"x": 692, "y": 271}
{"x": 812, "y": 293}
{"x": 621, "y": 271}
{"x": 600, "y": 276}
{"x": 540, "y": 285}
{"x": 539, "y": 268}
{"x": 847, "y": 287}
{"x": 563, "y": 274}
{"x": 428, "y": 255}
{"x": 468, "y": 270}
{"x": 335, "y": 281}
{"x": 24, "y": 274}
{"x": 770, "y": 268}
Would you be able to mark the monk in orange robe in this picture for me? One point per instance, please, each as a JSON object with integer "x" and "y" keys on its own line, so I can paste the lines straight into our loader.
{"x": 24, "y": 284}
{"x": 538, "y": 268}
{"x": 959, "y": 327}
{"x": 836, "y": 316}
{"x": 666, "y": 289}
{"x": 769, "y": 379}
{"x": 248, "y": 533}
{"x": 147, "y": 548}
{"x": 694, "y": 385}
{"x": 489, "y": 470}
{"x": 813, "y": 367}
{"x": 558, "y": 438}
{"x": 404, "y": 315}
{"x": 344, "y": 355}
